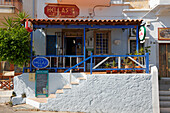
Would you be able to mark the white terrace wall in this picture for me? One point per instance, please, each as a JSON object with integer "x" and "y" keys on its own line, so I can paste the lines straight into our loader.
{"x": 111, "y": 93}
{"x": 121, "y": 93}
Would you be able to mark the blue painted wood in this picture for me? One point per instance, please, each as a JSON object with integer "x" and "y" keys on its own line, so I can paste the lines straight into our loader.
{"x": 84, "y": 49}
{"x": 31, "y": 52}
{"x": 99, "y": 69}
{"x": 91, "y": 63}
{"x": 85, "y": 26}
{"x": 77, "y": 64}
{"x": 147, "y": 62}
{"x": 51, "y": 45}
{"x": 58, "y": 56}
{"x": 118, "y": 55}
{"x": 137, "y": 39}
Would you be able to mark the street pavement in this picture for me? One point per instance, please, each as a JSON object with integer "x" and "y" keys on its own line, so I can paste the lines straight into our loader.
{"x": 7, "y": 109}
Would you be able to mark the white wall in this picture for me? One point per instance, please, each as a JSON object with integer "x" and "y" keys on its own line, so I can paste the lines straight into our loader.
{"x": 107, "y": 93}
{"x": 112, "y": 12}
{"x": 122, "y": 47}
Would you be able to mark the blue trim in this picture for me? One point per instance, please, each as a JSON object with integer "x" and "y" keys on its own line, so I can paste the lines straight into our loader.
{"x": 91, "y": 66}
{"x": 31, "y": 52}
{"x": 84, "y": 26}
{"x": 137, "y": 39}
{"x": 119, "y": 69}
{"x": 147, "y": 62}
{"x": 119, "y": 55}
{"x": 84, "y": 49}
{"x": 58, "y": 56}
{"x": 77, "y": 64}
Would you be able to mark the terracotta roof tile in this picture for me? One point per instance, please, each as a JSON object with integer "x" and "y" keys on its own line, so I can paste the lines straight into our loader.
{"x": 84, "y": 21}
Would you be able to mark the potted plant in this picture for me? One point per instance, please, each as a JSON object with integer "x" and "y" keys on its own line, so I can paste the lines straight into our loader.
{"x": 128, "y": 65}
{"x": 107, "y": 65}
{"x": 114, "y": 67}
{"x": 139, "y": 71}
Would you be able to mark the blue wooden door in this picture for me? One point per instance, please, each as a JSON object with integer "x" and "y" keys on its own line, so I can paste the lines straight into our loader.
{"x": 51, "y": 45}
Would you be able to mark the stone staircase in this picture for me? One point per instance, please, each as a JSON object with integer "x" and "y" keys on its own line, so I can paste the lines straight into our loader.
{"x": 164, "y": 95}
{"x": 67, "y": 87}
{"x": 35, "y": 102}
{"x": 5, "y": 95}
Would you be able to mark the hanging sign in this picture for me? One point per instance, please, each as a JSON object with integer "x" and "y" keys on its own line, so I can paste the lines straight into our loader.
{"x": 142, "y": 33}
{"x": 40, "y": 62}
{"x": 28, "y": 26}
{"x": 61, "y": 11}
{"x": 163, "y": 33}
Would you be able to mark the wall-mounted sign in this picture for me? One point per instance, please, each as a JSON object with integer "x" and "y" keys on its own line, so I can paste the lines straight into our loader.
{"x": 163, "y": 33}
{"x": 28, "y": 26}
{"x": 142, "y": 33}
{"x": 61, "y": 11}
{"x": 40, "y": 62}
{"x": 32, "y": 77}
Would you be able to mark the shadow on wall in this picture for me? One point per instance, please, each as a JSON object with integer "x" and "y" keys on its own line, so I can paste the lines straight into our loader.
{"x": 23, "y": 85}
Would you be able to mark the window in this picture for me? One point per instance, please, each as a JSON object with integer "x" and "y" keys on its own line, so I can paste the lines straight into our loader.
{"x": 102, "y": 42}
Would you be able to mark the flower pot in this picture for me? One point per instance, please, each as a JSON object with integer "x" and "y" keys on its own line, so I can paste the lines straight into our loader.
{"x": 128, "y": 71}
{"x": 114, "y": 71}
{"x": 139, "y": 71}
{"x": 108, "y": 71}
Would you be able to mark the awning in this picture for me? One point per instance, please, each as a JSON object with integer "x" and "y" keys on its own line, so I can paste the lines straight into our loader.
{"x": 83, "y": 22}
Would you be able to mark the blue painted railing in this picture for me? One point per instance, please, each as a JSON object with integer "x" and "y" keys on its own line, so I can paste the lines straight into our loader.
{"x": 55, "y": 67}
{"x": 146, "y": 68}
{"x": 102, "y": 69}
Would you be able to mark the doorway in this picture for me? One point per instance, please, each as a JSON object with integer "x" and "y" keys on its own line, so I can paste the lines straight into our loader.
{"x": 73, "y": 46}
{"x": 164, "y": 60}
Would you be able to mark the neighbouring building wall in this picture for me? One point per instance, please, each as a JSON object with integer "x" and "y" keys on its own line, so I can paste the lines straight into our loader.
{"x": 28, "y": 7}
{"x": 152, "y": 33}
{"x": 153, "y": 3}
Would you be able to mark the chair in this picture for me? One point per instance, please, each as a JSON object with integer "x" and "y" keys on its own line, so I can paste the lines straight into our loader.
{"x": 7, "y": 79}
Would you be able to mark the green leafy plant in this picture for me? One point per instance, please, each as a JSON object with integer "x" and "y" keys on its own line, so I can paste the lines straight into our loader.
{"x": 15, "y": 43}
{"x": 113, "y": 63}
{"x": 23, "y": 95}
{"x": 107, "y": 65}
{"x": 14, "y": 94}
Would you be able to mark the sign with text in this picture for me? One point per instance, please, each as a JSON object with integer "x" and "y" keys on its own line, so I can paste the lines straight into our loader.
{"x": 40, "y": 62}
{"x": 61, "y": 11}
{"x": 41, "y": 85}
{"x": 164, "y": 33}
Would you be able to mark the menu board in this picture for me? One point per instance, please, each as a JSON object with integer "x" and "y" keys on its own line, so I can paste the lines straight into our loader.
{"x": 42, "y": 82}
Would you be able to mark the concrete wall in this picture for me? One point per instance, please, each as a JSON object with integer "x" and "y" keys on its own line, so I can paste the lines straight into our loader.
{"x": 109, "y": 93}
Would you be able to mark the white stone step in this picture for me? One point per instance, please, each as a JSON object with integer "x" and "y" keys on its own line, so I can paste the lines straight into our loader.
{"x": 164, "y": 98}
{"x": 4, "y": 98}
{"x": 165, "y": 110}
{"x": 52, "y": 96}
{"x": 165, "y": 104}
{"x": 6, "y": 92}
{"x": 35, "y": 102}
{"x": 164, "y": 93}
{"x": 59, "y": 91}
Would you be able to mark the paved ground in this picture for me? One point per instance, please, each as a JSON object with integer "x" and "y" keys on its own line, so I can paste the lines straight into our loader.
{"x": 23, "y": 109}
